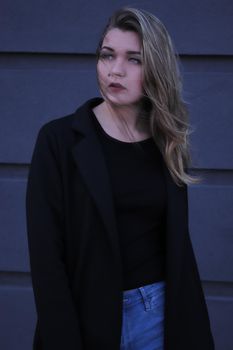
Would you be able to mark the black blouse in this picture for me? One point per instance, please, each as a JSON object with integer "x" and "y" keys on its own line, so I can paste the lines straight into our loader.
{"x": 139, "y": 193}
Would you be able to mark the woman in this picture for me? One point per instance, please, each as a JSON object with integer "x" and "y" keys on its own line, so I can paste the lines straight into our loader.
{"x": 111, "y": 259}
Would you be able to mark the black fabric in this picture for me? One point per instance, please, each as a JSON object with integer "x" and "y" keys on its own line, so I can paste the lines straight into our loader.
{"x": 139, "y": 195}
{"x": 74, "y": 250}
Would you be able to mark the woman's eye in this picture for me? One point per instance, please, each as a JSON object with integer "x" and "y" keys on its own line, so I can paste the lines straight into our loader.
{"x": 135, "y": 60}
{"x": 106, "y": 56}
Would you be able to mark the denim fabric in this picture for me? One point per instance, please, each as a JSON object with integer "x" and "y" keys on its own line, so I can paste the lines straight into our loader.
{"x": 143, "y": 317}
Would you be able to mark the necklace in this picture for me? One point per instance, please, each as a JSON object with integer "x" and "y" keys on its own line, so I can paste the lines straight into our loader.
{"x": 124, "y": 129}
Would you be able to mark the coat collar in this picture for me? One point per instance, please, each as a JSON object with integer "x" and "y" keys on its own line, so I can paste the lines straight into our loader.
{"x": 90, "y": 160}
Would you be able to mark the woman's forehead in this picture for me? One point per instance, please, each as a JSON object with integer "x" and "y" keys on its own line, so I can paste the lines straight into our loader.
{"x": 122, "y": 39}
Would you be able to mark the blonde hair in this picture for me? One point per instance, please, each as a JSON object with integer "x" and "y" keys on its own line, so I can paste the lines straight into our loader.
{"x": 162, "y": 103}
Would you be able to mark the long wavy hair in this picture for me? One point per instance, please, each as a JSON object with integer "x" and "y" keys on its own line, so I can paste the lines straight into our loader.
{"x": 162, "y": 105}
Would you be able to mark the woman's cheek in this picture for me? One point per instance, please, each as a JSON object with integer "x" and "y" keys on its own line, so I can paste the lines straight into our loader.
{"x": 102, "y": 74}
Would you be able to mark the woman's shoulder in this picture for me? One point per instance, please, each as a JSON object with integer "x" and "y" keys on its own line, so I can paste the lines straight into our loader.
{"x": 60, "y": 134}
{"x": 64, "y": 124}
{"x": 58, "y": 125}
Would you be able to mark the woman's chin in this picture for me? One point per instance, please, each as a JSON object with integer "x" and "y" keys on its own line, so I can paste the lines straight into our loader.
{"x": 118, "y": 101}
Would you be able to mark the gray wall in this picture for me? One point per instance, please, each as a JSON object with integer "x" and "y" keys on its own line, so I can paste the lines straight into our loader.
{"x": 47, "y": 68}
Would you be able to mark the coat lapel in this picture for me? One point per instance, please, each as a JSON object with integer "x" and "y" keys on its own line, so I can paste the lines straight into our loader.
{"x": 90, "y": 160}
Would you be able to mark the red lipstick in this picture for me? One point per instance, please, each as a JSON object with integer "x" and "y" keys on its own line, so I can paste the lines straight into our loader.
{"x": 116, "y": 86}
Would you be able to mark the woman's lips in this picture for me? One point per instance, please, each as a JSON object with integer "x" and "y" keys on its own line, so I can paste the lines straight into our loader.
{"x": 116, "y": 86}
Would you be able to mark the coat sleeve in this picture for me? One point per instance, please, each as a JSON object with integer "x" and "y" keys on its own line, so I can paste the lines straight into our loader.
{"x": 57, "y": 325}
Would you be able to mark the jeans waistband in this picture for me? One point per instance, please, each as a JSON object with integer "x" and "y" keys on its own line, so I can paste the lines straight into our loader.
{"x": 144, "y": 293}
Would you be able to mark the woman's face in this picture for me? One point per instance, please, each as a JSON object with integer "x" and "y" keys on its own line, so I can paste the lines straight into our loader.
{"x": 119, "y": 68}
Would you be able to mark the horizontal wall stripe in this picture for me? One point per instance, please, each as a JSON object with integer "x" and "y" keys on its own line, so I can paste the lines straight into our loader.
{"x": 13, "y": 171}
{"x": 224, "y": 299}
{"x": 200, "y": 27}
{"x": 189, "y": 63}
{"x": 212, "y": 289}
{"x": 48, "y": 61}
{"x": 209, "y": 177}
{"x": 218, "y": 288}
{"x": 15, "y": 278}
{"x": 213, "y": 177}
{"x": 206, "y": 63}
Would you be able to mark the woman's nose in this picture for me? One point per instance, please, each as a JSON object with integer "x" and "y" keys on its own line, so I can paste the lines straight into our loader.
{"x": 117, "y": 68}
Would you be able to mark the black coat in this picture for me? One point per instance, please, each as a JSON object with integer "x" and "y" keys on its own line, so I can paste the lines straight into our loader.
{"x": 74, "y": 249}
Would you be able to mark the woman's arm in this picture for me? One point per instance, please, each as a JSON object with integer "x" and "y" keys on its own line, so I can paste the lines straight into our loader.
{"x": 57, "y": 317}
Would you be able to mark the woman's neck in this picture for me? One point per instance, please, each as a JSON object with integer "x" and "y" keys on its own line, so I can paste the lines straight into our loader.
{"x": 126, "y": 114}
{"x": 121, "y": 122}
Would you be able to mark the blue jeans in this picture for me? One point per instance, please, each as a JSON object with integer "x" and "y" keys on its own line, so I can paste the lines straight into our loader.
{"x": 143, "y": 317}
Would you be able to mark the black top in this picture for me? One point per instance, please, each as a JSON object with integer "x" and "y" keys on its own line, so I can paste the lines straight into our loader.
{"x": 139, "y": 194}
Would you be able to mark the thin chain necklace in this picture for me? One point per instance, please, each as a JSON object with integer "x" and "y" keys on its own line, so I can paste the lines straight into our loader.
{"x": 124, "y": 124}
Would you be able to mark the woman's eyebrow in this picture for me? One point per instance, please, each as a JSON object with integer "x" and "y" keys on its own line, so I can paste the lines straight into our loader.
{"x": 107, "y": 48}
{"x": 133, "y": 52}
{"x": 130, "y": 52}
